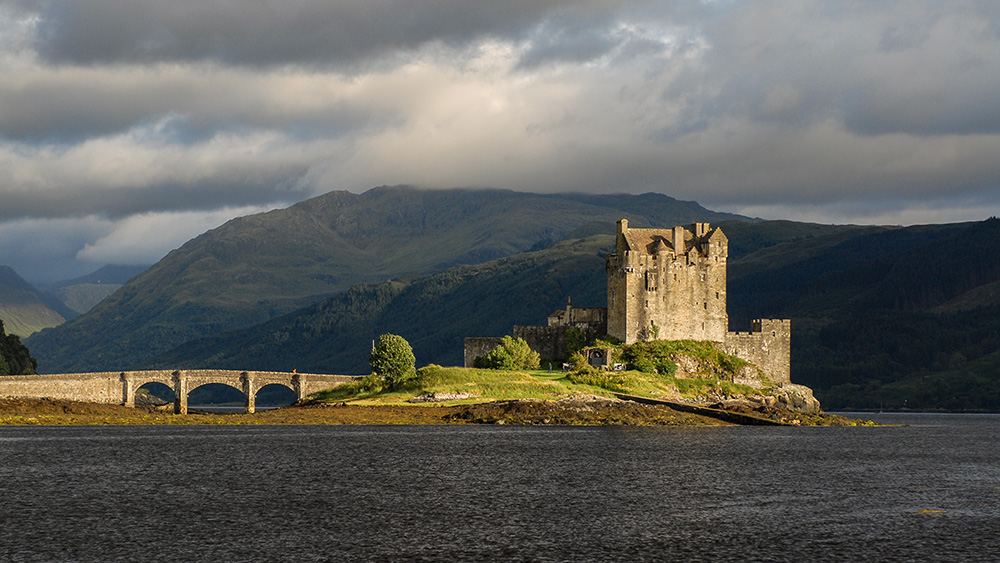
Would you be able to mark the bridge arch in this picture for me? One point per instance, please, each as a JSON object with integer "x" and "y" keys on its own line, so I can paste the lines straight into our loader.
{"x": 156, "y": 389}
{"x": 213, "y": 394}
{"x": 249, "y": 382}
{"x": 275, "y": 395}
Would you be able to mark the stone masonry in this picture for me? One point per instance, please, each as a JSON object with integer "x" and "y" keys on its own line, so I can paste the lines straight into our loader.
{"x": 120, "y": 387}
{"x": 668, "y": 284}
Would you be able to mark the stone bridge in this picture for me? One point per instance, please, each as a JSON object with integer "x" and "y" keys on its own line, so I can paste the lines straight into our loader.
{"x": 119, "y": 387}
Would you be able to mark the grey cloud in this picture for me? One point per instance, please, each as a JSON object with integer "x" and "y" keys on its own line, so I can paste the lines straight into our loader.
{"x": 120, "y": 107}
{"x": 275, "y": 32}
{"x": 45, "y": 251}
{"x": 69, "y": 105}
{"x": 205, "y": 194}
{"x": 879, "y": 68}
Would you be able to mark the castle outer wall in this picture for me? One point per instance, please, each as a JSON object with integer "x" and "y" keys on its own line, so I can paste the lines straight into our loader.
{"x": 768, "y": 344}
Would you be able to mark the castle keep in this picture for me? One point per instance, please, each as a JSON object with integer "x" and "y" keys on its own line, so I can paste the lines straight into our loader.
{"x": 668, "y": 284}
{"x": 663, "y": 284}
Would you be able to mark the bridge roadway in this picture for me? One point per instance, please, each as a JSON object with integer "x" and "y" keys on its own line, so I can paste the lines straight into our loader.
{"x": 119, "y": 387}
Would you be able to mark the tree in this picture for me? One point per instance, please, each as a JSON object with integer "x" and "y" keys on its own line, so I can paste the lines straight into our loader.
{"x": 15, "y": 359}
{"x": 393, "y": 359}
{"x": 511, "y": 354}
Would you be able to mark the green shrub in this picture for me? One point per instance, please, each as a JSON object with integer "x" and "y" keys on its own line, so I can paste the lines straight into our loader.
{"x": 392, "y": 358}
{"x": 651, "y": 357}
{"x": 511, "y": 354}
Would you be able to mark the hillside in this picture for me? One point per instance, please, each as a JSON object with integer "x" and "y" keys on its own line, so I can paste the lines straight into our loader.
{"x": 255, "y": 268}
{"x": 877, "y": 312}
{"x": 887, "y": 307}
{"x": 24, "y": 309}
{"x": 83, "y": 293}
{"x": 434, "y": 313}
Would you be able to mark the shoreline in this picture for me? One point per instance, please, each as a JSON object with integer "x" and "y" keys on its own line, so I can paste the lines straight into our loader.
{"x": 525, "y": 412}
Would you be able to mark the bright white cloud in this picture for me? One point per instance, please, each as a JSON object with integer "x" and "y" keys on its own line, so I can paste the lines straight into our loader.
{"x": 148, "y": 237}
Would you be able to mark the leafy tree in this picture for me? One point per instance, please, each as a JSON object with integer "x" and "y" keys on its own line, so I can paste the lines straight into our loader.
{"x": 511, "y": 354}
{"x": 15, "y": 359}
{"x": 393, "y": 359}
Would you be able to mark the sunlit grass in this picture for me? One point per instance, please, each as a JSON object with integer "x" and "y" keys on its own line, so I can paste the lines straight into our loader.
{"x": 482, "y": 385}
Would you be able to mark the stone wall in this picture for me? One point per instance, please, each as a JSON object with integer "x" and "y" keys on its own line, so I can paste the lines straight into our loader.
{"x": 768, "y": 344}
{"x": 548, "y": 341}
{"x": 476, "y": 346}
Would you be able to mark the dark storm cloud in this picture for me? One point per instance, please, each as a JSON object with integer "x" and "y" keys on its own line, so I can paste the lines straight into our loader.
{"x": 272, "y": 32}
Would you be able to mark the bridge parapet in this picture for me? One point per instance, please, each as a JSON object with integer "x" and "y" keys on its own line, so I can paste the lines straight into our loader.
{"x": 119, "y": 387}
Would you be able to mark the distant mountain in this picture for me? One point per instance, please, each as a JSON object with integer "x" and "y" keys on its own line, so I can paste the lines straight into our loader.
{"x": 881, "y": 316}
{"x": 83, "y": 293}
{"x": 437, "y": 311}
{"x": 255, "y": 268}
{"x": 24, "y": 309}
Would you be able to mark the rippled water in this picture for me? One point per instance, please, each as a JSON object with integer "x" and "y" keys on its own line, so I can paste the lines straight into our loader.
{"x": 308, "y": 493}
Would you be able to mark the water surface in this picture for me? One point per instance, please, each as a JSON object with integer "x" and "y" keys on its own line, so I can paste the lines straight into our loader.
{"x": 929, "y": 491}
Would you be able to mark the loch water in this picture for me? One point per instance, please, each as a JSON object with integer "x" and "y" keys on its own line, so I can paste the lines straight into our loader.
{"x": 925, "y": 491}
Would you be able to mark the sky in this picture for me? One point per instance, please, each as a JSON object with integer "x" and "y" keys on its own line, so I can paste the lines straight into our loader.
{"x": 128, "y": 127}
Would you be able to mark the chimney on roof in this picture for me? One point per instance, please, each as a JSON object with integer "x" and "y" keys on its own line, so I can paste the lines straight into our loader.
{"x": 679, "y": 241}
{"x": 620, "y": 245}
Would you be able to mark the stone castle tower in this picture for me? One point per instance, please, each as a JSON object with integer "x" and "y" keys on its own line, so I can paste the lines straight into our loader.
{"x": 663, "y": 284}
{"x": 668, "y": 284}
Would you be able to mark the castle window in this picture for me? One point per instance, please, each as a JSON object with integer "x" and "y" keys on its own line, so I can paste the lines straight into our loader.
{"x": 716, "y": 294}
{"x": 706, "y": 305}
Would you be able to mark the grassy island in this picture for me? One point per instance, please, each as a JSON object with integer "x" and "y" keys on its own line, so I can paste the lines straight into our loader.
{"x": 452, "y": 395}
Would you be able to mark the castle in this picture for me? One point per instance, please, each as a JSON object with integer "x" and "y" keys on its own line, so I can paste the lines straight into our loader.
{"x": 663, "y": 284}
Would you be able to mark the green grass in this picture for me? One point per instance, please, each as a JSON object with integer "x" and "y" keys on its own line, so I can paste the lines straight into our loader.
{"x": 486, "y": 385}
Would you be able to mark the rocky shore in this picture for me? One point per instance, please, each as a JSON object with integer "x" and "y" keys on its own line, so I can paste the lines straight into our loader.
{"x": 576, "y": 410}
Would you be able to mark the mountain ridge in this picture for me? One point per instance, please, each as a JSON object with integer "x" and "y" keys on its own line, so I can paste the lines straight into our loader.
{"x": 257, "y": 267}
